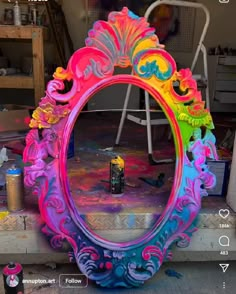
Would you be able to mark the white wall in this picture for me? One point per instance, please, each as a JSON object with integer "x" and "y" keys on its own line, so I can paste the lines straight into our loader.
{"x": 75, "y": 14}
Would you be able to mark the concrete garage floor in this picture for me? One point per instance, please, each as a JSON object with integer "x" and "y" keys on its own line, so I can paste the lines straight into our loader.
{"x": 197, "y": 278}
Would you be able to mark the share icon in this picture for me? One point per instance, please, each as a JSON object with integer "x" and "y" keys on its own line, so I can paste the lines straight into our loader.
{"x": 224, "y": 266}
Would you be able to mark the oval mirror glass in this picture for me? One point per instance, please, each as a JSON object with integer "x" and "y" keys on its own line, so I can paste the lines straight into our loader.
{"x": 127, "y": 209}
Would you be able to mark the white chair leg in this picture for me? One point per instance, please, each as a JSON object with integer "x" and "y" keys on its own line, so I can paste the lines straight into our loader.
{"x": 148, "y": 119}
{"x": 148, "y": 122}
{"x": 204, "y": 52}
{"x": 152, "y": 161}
{"x": 123, "y": 116}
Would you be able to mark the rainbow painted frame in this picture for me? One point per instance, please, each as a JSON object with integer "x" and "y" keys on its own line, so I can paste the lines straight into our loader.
{"x": 124, "y": 40}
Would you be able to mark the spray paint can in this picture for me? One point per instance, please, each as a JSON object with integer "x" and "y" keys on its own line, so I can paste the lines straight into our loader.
{"x": 117, "y": 178}
{"x": 15, "y": 189}
{"x": 13, "y": 278}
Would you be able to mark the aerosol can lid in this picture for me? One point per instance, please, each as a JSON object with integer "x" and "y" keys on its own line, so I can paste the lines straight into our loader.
{"x": 12, "y": 268}
{"x": 14, "y": 170}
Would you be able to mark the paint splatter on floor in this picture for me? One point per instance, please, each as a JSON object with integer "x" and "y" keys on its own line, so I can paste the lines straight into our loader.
{"x": 88, "y": 175}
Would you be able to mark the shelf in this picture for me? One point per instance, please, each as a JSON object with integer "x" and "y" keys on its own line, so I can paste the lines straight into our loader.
{"x": 24, "y": 2}
{"x": 22, "y": 32}
{"x": 226, "y": 97}
{"x": 227, "y": 60}
{"x": 37, "y": 35}
{"x": 16, "y": 82}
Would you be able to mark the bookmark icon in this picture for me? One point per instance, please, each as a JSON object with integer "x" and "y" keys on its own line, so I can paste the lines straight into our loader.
{"x": 224, "y": 266}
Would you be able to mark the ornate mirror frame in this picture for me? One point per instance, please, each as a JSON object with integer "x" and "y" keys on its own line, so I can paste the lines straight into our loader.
{"x": 124, "y": 40}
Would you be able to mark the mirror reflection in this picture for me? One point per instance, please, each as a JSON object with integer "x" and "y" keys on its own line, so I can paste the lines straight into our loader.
{"x": 117, "y": 188}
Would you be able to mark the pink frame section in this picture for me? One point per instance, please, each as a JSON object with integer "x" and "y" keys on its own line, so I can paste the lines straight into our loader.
{"x": 124, "y": 40}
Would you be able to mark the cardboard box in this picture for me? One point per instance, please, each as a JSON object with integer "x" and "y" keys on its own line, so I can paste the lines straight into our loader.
{"x": 14, "y": 117}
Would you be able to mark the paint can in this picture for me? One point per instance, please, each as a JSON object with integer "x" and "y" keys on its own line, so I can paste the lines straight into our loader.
{"x": 117, "y": 177}
{"x": 15, "y": 189}
{"x": 13, "y": 278}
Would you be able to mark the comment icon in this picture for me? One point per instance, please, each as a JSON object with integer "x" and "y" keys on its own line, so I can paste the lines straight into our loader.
{"x": 224, "y": 241}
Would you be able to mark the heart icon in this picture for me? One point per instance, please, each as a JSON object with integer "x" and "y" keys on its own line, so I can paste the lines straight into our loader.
{"x": 224, "y": 213}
